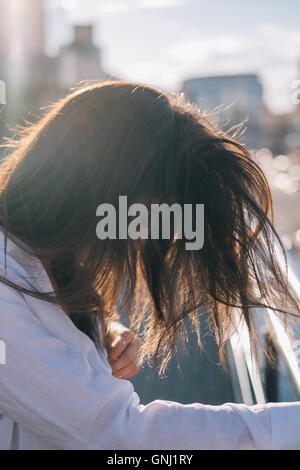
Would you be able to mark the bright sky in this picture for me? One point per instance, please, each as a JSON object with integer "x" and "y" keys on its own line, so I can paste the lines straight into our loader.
{"x": 163, "y": 42}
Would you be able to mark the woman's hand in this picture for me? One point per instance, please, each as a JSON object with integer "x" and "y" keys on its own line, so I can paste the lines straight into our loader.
{"x": 123, "y": 348}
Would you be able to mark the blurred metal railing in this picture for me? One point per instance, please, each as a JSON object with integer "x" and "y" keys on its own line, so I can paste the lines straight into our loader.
{"x": 248, "y": 377}
{"x": 251, "y": 379}
{"x": 245, "y": 367}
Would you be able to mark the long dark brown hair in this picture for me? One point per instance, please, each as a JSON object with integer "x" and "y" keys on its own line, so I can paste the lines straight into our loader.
{"x": 119, "y": 138}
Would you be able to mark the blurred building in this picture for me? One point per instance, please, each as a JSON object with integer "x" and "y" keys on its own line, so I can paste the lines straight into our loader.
{"x": 22, "y": 28}
{"x": 33, "y": 79}
{"x": 241, "y": 97}
{"x": 21, "y": 53}
{"x": 80, "y": 60}
{"x": 282, "y": 132}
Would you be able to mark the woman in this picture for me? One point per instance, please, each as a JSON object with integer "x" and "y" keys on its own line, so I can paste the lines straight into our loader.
{"x": 63, "y": 386}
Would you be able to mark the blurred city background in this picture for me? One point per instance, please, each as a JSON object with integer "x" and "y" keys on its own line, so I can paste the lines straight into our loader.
{"x": 242, "y": 56}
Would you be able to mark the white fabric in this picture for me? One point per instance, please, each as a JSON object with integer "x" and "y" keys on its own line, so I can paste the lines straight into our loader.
{"x": 57, "y": 390}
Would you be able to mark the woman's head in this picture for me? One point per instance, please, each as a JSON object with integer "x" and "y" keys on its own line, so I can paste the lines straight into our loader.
{"x": 126, "y": 139}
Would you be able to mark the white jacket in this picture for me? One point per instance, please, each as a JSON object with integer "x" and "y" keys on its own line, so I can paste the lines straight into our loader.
{"x": 57, "y": 390}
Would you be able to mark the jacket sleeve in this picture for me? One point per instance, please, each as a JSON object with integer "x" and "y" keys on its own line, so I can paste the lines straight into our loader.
{"x": 72, "y": 401}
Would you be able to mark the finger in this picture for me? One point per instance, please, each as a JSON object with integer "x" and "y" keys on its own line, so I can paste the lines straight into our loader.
{"x": 129, "y": 371}
{"x": 129, "y": 355}
{"x": 119, "y": 344}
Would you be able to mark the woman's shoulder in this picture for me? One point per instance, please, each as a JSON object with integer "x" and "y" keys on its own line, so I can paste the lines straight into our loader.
{"x": 20, "y": 267}
{"x": 21, "y": 273}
